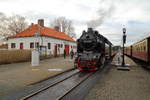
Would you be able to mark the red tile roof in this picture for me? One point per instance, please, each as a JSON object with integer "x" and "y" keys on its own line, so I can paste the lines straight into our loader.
{"x": 44, "y": 31}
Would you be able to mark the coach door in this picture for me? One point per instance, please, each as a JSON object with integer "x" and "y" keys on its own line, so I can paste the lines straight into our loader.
{"x": 67, "y": 49}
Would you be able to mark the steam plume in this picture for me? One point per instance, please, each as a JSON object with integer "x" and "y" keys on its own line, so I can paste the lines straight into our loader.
{"x": 103, "y": 13}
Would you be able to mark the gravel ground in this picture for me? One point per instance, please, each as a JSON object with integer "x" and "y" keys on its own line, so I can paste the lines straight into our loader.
{"x": 123, "y": 85}
{"x": 16, "y": 76}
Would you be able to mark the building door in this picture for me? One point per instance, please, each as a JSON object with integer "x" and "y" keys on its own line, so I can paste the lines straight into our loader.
{"x": 67, "y": 49}
{"x": 55, "y": 52}
{"x": 21, "y": 45}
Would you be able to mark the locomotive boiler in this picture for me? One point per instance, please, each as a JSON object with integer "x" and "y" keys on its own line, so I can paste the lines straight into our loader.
{"x": 92, "y": 50}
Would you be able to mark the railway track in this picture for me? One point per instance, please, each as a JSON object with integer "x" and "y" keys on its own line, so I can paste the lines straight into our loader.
{"x": 59, "y": 89}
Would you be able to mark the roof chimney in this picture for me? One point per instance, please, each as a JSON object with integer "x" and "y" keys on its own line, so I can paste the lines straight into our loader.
{"x": 41, "y": 22}
{"x": 32, "y": 24}
{"x": 56, "y": 28}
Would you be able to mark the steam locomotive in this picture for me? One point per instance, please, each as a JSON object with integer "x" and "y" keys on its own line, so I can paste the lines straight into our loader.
{"x": 92, "y": 50}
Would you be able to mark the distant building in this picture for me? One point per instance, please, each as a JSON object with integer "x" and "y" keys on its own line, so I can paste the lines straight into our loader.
{"x": 37, "y": 36}
{"x": 3, "y": 41}
{"x": 3, "y": 47}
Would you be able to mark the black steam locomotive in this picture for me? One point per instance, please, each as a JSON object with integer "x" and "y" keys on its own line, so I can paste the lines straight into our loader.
{"x": 92, "y": 50}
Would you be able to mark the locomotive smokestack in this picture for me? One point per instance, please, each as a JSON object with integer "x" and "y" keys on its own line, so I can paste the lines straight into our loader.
{"x": 84, "y": 32}
{"x": 41, "y": 22}
{"x": 90, "y": 29}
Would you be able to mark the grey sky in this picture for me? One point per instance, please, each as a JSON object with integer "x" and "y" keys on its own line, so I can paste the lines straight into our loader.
{"x": 134, "y": 14}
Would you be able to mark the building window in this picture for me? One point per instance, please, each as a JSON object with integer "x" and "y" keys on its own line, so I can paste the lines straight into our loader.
{"x": 37, "y": 44}
{"x": 49, "y": 45}
{"x": 13, "y": 45}
{"x": 61, "y": 45}
{"x": 21, "y": 45}
{"x": 31, "y": 45}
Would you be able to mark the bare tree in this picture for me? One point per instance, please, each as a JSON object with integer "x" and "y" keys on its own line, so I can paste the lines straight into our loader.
{"x": 3, "y": 25}
{"x": 11, "y": 25}
{"x": 65, "y": 26}
{"x": 16, "y": 24}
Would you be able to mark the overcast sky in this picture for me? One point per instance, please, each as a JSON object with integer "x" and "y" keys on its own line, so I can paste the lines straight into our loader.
{"x": 133, "y": 14}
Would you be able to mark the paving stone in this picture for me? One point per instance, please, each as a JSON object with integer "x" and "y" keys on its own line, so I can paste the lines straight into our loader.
{"x": 19, "y": 75}
{"x": 123, "y": 85}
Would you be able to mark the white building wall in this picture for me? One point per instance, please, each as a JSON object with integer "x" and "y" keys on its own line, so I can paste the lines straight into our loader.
{"x": 42, "y": 41}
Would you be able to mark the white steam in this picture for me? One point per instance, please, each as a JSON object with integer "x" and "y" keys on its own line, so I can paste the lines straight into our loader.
{"x": 105, "y": 11}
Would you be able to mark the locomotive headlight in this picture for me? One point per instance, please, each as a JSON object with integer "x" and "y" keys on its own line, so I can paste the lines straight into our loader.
{"x": 94, "y": 57}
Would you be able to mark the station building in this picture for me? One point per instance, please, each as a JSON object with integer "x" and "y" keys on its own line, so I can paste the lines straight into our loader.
{"x": 37, "y": 36}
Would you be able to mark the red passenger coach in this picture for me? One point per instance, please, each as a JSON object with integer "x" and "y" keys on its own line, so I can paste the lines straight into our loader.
{"x": 128, "y": 51}
{"x": 140, "y": 50}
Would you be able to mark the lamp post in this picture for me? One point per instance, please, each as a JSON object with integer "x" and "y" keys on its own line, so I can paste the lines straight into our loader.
{"x": 124, "y": 41}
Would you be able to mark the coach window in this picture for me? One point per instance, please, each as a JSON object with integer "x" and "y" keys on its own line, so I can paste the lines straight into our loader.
{"x": 13, "y": 45}
{"x": 49, "y": 45}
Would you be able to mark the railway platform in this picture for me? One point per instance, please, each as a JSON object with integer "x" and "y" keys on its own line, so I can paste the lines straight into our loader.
{"x": 122, "y": 85}
{"x": 17, "y": 76}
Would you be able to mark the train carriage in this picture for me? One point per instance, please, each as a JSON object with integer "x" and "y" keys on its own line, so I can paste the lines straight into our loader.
{"x": 128, "y": 51}
{"x": 140, "y": 50}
